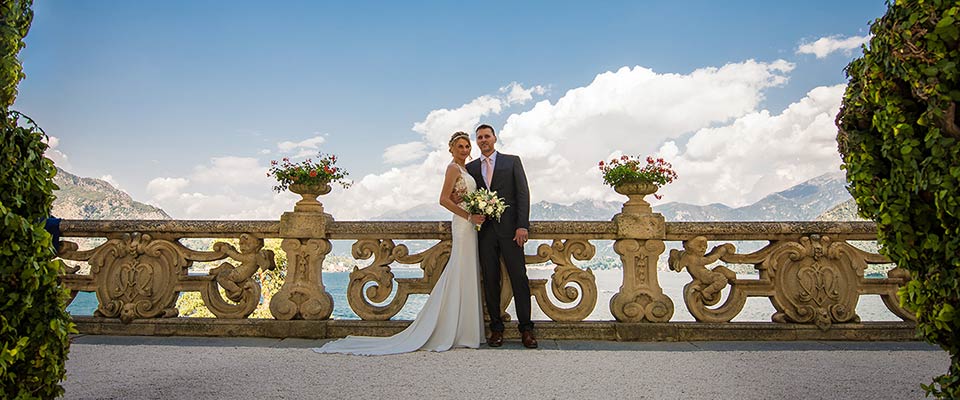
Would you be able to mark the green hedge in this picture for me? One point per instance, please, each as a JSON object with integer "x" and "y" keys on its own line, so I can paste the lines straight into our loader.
{"x": 899, "y": 140}
{"x": 34, "y": 326}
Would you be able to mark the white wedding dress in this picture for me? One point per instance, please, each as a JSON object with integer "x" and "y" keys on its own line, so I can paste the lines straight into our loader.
{"x": 451, "y": 316}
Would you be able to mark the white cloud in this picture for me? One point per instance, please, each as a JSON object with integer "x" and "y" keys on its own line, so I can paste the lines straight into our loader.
{"x": 59, "y": 158}
{"x": 437, "y": 127}
{"x": 739, "y": 163}
{"x": 231, "y": 171}
{"x": 632, "y": 111}
{"x": 109, "y": 179}
{"x": 165, "y": 188}
{"x": 404, "y": 187}
{"x": 517, "y": 94}
{"x": 707, "y": 122}
{"x": 404, "y": 152}
{"x": 227, "y": 187}
{"x": 824, "y": 46}
{"x": 302, "y": 148}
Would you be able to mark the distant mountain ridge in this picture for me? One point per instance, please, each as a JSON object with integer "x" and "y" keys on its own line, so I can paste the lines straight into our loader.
{"x": 846, "y": 211}
{"x": 803, "y": 202}
{"x": 822, "y": 198}
{"x": 89, "y": 198}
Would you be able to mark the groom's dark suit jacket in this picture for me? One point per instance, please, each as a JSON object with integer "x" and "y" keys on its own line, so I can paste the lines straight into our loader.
{"x": 510, "y": 183}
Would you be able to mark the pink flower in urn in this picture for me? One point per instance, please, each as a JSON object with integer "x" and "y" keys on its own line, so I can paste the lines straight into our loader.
{"x": 308, "y": 172}
{"x": 628, "y": 169}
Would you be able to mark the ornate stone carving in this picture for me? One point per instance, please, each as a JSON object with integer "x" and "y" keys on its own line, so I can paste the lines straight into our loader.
{"x": 303, "y": 295}
{"x": 568, "y": 282}
{"x": 237, "y": 281}
{"x": 707, "y": 284}
{"x": 816, "y": 282}
{"x": 136, "y": 277}
{"x": 812, "y": 280}
{"x": 640, "y": 298}
{"x": 384, "y": 253}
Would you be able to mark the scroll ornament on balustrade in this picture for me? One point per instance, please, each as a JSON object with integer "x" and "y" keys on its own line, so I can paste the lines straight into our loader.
{"x": 812, "y": 280}
{"x": 568, "y": 283}
{"x": 380, "y": 278}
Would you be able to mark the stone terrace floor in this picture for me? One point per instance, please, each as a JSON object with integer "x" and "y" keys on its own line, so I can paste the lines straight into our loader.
{"x": 126, "y": 367}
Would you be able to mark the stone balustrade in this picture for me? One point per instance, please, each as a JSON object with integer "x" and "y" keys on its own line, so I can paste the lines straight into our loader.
{"x": 809, "y": 272}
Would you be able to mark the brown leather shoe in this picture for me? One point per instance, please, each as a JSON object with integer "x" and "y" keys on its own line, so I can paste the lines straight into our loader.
{"x": 528, "y": 340}
{"x": 495, "y": 340}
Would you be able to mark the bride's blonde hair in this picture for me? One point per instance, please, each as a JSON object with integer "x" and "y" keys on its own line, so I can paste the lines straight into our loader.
{"x": 458, "y": 135}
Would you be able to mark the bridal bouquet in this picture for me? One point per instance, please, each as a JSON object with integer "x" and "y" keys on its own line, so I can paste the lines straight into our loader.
{"x": 484, "y": 202}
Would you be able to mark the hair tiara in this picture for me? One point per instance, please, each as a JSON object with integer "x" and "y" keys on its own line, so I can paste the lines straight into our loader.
{"x": 459, "y": 135}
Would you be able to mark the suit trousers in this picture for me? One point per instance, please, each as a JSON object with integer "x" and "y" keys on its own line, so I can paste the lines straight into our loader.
{"x": 492, "y": 247}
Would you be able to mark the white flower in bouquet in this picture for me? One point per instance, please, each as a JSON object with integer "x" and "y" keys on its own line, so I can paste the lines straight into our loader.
{"x": 484, "y": 202}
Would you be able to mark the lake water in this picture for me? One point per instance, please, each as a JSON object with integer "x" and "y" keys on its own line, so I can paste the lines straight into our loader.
{"x": 870, "y": 307}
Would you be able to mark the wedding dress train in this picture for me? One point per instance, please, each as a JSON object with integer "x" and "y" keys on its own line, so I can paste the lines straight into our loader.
{"x": 451, "y": 316}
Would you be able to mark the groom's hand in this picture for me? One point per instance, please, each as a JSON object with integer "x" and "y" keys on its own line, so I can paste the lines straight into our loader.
{"x": 520, "y": 237}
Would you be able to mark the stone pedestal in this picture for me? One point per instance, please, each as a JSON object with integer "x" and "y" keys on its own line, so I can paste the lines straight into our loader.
{"x": 303, "y": 295}
{"x": 641, "y": 233}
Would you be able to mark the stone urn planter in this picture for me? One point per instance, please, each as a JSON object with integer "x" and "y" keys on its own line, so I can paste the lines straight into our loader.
{"x": 309, "y": 193}
{"x": 636, "y": 191}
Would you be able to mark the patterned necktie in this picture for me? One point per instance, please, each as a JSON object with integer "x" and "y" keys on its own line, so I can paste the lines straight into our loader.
{"x": 488, "y": 171}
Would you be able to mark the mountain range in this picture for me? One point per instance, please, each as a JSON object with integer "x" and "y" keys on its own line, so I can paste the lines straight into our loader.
{"x": 89, "y": 198}
{"x": 823, "y": 198}
{"x": 806, "y": 201}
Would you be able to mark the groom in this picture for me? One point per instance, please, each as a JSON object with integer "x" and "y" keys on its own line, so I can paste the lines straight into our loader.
{"x": 503, "y": 173}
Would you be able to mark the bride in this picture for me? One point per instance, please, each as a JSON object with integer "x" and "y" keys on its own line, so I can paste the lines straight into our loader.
{"x": 451, "y": 316}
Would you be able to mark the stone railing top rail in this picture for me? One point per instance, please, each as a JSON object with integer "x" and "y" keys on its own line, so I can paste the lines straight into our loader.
{"x": 846, "y": 230}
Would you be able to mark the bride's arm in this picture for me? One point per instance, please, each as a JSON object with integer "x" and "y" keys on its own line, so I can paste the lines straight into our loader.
{"x": 449, "y": 179}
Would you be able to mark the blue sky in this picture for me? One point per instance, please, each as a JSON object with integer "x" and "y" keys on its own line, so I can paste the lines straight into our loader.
{"x": 183, "y": 103}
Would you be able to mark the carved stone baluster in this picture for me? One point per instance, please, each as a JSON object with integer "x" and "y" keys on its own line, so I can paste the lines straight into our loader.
{"x": 640, "y": 298}
{"x": 640, "y": 242}
{"x": 303, "y": 295}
